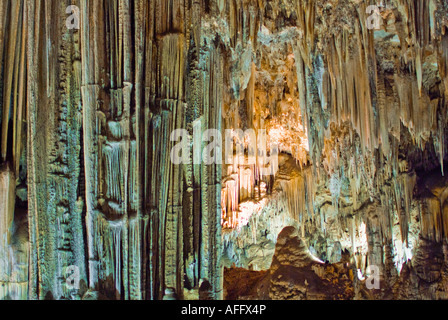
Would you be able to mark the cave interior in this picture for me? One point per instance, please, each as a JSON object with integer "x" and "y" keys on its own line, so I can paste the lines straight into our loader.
{"x": 311, "y": 136}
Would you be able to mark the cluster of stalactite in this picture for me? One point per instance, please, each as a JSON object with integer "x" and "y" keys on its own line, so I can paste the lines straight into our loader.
{"x": 376, "y": 108}
{"x": 373, "y": 103}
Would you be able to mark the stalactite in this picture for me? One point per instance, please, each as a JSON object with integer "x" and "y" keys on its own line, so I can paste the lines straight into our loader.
{"x": 54, "y": 160}
{"x": 13, "y": 38}
{"x": 403, "y": 189}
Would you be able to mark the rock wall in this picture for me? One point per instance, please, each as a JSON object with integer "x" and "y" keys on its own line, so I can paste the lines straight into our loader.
{"x": 100, "y": 103}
